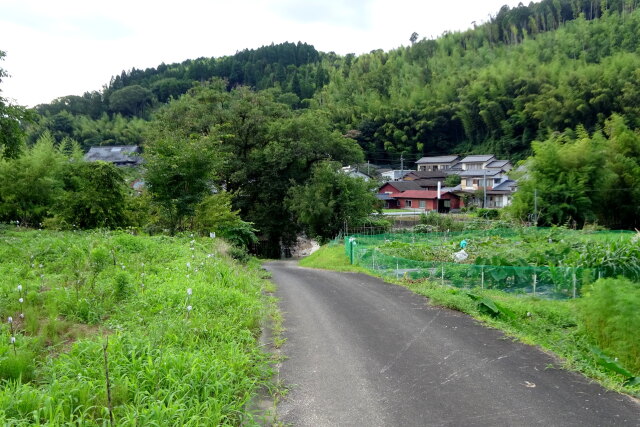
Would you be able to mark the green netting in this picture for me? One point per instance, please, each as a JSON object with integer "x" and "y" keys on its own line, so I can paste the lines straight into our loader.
{"x": 542, "y": 281}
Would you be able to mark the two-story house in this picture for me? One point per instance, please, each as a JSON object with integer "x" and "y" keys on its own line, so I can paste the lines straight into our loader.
{"x": 437, "y": 163}
{"x": 475, "y": 162}
{"x": 480, "y": 178}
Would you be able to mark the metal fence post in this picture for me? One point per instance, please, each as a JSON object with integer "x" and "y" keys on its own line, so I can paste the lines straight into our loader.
{"x": 535, "y": 280}
{"x": 574, "y": 282}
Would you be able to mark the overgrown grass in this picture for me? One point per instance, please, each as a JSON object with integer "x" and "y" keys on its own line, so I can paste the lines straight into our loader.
{"x": 331, "y": 257}
{"x": 175, "y": 357}
{"x": 556, "y": 326}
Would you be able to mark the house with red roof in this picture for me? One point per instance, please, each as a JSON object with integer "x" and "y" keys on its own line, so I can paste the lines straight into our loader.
{"x": 421, "y": 200}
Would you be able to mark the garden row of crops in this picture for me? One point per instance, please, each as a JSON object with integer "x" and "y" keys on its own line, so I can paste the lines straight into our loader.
{"x": 551, "y": 262}
{"x": 102, "y": 328}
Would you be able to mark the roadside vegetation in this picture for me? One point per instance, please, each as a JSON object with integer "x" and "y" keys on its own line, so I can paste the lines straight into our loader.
{"x": 111, "y": 328}
{"x": 595, "y": 334}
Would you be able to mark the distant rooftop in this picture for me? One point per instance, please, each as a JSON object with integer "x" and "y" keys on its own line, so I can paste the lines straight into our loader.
{"x": 437, "y": 160}
{"x": 116, "y": 154}
{"x": 498, "y": 163}
{"x": 477, "y": 158}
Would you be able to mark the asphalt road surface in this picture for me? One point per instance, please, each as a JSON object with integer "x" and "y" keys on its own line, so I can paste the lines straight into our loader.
{"x": 361, "y": 352}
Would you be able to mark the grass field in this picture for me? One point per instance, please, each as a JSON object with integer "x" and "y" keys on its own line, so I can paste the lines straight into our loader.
{"x": 556, "y": 326}
{"x": 175, "y": 321}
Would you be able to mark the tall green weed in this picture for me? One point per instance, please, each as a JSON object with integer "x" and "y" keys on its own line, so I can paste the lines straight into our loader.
{"x": 610, "y": 312}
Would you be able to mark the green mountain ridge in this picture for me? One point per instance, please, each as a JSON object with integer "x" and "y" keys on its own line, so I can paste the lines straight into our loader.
{"x": 528, "y": 72}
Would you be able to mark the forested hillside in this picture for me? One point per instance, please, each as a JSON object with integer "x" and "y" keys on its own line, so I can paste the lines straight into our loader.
{"x": 555, "y": 79}
{"x": 529, "y": 71}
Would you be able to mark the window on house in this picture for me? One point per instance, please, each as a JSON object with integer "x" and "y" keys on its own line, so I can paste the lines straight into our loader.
{"x": 407, "y": 203}
{"x": 447, "y": 203}
{"x": 476, "y": 182}
{"x": 435, "y": 167}
{"x": 496, "y": 181}
{"x": 423, "y": 204}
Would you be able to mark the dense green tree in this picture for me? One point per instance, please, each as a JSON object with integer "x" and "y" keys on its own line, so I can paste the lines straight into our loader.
{"x": 31, "y": 183}
{"x": 215, "y": 214}
{"x": 178, "y": 174}
{"x": 130, "y": 100}
{"x": 11, "y": 119}
{"x": 94, "y": 195}
{"x": 575, "y": 177}
{"x": 264, "y": 149}
{"x": 329, "y": 198}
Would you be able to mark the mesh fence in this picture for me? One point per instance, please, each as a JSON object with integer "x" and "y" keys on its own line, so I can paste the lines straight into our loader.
{"x": 541, "y": 281}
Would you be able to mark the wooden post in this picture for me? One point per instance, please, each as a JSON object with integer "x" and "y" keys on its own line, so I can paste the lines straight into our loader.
{"x": 106, "y": 372}
{"x": 574, "y": 282}
{"x": 535, "y": 280}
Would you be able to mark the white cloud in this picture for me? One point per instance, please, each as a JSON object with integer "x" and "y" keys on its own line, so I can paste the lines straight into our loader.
{"x": 72, "y": 46}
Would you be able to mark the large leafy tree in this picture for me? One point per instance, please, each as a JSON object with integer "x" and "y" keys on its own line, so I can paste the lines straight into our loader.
{"x": 94, "y": 195}
{"x": 11, "y": 117}
{"x": 178, "y": 174}
{"x": 264, "y": 148}
{"x": 329, "y": 198}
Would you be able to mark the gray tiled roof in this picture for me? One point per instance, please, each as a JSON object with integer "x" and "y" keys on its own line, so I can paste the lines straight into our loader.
{"x": 498, "y": 164}
{"x": 477, "y": 158}
{"x": 506, "y": 185}
{"x": 114, "y": 154}
{"x": 428, "y": 174}
{"x": 405, "y": 185}
{"x": 437, "y": 159}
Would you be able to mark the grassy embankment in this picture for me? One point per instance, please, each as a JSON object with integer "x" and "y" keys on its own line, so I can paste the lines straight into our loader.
{"x": 555, "y": 326}
{"x": 180, "y": 317}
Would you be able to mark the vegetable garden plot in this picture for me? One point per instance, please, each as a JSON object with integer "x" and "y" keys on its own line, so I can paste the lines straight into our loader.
{"x": 550, "y": 263}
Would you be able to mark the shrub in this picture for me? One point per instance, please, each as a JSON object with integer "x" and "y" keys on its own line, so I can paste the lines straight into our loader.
{"x": 121, "y": 285}
{"x": 609, "y": 310}
{"x": 17, "y": 366}
{"x": 441, "y": 222}
{"x": 487, "y": 213}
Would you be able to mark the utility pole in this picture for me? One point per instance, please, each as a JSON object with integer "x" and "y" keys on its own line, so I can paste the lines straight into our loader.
{"x": 401, "y": 163}
{"x": 535, "y": 207}
{"x": 368, "y": 168}
{"x": 484, "y": 187}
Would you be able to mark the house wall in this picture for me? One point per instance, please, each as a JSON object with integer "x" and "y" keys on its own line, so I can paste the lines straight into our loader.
{"x": 430, "y": 204}
{"x": 434, "y": 167}
{"x": 387, "y": 188}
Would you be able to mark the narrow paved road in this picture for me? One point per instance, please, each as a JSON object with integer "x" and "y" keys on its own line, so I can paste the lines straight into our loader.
{"x": 361, "y": 352}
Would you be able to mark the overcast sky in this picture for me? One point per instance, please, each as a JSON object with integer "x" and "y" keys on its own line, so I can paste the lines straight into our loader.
{"x": 66, "y": 47}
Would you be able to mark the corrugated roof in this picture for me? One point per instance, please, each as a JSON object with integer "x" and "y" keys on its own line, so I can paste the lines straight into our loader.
{"x": 114, "y": 154}
{"x": 477, "y": 158}
{"x": 437, "y": 159}
{"x": 382, "y": 196}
